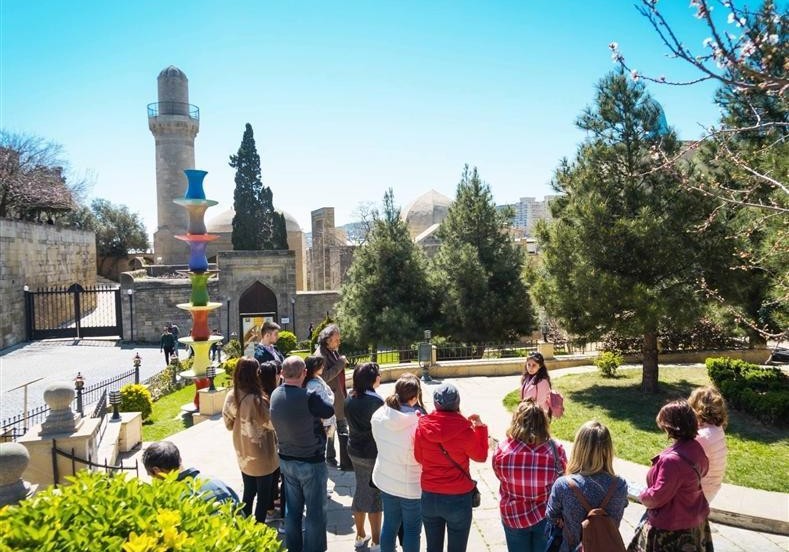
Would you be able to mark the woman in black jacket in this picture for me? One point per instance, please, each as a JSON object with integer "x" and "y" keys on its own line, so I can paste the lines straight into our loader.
{"x": 359, "y": 408}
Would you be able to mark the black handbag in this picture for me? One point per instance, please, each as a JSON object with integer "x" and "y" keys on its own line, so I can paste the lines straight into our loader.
{"x": 476, "y": 497}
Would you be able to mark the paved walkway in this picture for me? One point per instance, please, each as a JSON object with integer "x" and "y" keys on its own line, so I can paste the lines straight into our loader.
{"x": 60, "y": 360}
{"x": 208, "y": 446}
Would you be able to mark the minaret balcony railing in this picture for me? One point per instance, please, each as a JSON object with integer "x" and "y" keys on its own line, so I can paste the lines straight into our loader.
{"x": 157, "y": 109}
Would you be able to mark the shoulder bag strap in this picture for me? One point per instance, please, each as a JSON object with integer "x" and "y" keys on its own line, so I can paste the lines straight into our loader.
{"x": 458, "y": 466}
{"x": 556, "y": 464}
{"x": 579, "y": 495}
{"x": 692, "y": 465}
{"x": 582, "y": 499}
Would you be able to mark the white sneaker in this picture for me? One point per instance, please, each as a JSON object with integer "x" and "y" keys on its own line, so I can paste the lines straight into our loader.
{"x": 375, "y": 548}
{"x": 361, "y": 542}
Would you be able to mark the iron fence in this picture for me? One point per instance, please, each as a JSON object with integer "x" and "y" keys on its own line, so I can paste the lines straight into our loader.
{"x": 16, "y": 426}
{"x": 108, "y": 468}
{"x": 444, "y": 351}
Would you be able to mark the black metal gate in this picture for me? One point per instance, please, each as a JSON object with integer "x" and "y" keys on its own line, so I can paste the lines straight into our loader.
{"x": 73, "y": 312}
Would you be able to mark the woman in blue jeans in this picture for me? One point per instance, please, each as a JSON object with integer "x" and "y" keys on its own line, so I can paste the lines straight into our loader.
{"x": 396, "y": 472}
{"x": 444, "y": 442}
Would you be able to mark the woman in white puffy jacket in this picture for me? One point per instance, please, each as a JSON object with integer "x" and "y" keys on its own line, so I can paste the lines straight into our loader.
{"x": 396, "y": 472}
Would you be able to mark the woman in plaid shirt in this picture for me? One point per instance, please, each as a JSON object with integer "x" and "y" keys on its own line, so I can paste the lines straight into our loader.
{"x": 527, "y": 463}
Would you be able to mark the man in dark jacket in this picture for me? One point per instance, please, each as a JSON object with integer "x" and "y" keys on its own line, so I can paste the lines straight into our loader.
{"x": 297, "y": 417}
{"x": 266, "y": 350}
{"x": 334, "y": 375}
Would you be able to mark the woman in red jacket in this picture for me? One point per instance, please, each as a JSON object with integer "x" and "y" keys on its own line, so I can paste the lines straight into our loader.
{"x": 445, "y": 440}
{"x": 676, "y": 516}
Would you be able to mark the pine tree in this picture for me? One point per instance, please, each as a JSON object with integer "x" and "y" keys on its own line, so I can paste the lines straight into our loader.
{"x": 256, "y": 225}
{"x": 477, "y": 269}
{"x": 624, "y": 251}
{"x": 386, "y": 298}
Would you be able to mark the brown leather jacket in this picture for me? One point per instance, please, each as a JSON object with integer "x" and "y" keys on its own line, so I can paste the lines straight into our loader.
{"x": 334, "y": 376}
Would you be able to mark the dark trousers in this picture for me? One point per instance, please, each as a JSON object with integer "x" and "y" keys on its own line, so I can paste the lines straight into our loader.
{"x": 259, "y": 486}
{"x": 167, "y": 353}
{"x": 450, "y": 512}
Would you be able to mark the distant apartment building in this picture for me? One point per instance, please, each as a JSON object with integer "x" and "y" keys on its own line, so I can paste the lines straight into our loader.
{"x": 528, "y": 211}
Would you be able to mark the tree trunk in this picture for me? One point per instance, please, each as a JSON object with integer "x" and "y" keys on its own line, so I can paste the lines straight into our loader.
{"x": 374, "y": 352}
{"x": 649, "y": 375}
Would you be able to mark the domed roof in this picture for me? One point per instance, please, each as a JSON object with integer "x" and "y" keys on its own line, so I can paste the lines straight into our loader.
{"x": 223, "y": 222}
{"x": 172, "y": 71}
{"x": 428, "y": 209}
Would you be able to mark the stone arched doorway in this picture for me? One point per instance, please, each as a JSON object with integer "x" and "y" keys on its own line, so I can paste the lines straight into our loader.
{"x": 256, "y": 305}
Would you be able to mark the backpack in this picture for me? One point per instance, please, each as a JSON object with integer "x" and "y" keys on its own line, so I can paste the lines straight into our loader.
{"x": 598, "y": 532}
{"x": 557, "y": 404}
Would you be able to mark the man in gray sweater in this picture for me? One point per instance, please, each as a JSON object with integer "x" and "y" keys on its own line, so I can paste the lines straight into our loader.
{"x": 296, "y": 415}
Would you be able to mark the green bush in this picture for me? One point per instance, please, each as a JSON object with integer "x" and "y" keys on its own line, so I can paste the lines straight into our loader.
{"x": 233, "y": 349}
{"x": 286, "y": 342}
{"x": 304, "y": 345}
{"x": 229, "y": 366}
{"x": 136, "y": 398}
{"x": 608, "y": 362}
{"x": 162, "y": 384}
{"x": 761, "y": 391}
{"x": 103, "y": 512}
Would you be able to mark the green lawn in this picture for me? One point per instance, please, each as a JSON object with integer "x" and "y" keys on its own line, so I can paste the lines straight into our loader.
{"x": 758, "y": 455}
{"x": 166, "y": 418}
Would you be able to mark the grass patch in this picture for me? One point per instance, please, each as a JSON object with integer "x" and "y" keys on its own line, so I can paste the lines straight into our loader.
{"x": 166, "y": 418}
{"x": 758, "y": 455}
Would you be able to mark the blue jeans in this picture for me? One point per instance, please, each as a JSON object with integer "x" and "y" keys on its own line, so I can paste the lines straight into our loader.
{"x": 453, "y": 512}
{"x": 526, "y": 540}
{"x": 397, "y": 511}
{"x": 305, "y": 485}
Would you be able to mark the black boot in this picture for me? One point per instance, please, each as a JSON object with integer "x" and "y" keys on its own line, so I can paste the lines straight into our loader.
{"x": 345, "y": 460}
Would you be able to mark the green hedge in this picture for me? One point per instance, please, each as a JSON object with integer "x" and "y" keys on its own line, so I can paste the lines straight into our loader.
{"x": 760, "y": 391}
{"x": 102, "y": 512}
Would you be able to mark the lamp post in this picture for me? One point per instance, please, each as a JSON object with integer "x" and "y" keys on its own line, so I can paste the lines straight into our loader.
{"x": 130, "y": 293}
{"x": 426, "y": 357}
{"x": 210, "y": 373}
{"x": 115, "y": 401}
{"x": 79, "y": 385}
{"x": 136, "y": 361}
{"x": 293, "y": 313}
{"x": 228, "y": 317}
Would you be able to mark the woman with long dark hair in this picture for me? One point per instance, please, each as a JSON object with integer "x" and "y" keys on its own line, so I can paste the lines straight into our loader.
{"x": 362, "y": 402}
{"x": 535, "y": 381}
{"x": 246, "y": 413}
{"x": 676, "y": 516}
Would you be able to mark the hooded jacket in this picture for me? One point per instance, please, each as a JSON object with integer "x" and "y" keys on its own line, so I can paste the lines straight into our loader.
{"x": 454, "y": 432}
{"x": 396, "y": 471}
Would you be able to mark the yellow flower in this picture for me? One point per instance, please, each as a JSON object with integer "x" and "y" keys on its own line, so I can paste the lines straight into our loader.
{"x": 141, "y": 543}
{"x": 168, "y": 518}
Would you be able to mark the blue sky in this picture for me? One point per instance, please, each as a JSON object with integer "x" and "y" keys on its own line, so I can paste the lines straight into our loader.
{"x": 346, "y": 99}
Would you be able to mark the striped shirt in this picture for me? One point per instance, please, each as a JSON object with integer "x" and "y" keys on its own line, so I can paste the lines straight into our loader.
{"x": 526, "y": 473}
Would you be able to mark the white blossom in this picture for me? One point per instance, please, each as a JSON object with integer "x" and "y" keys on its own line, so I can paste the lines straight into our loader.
{"x": 707, "y": 42}
{"x": 634, "y": 75}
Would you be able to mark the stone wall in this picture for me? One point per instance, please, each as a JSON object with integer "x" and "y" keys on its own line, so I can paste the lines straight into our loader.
{"x": 155, "y": 298}
{"x": 154, "y": 302}
{"x": 311, "y": 308}
{"x": 39, "y": 255}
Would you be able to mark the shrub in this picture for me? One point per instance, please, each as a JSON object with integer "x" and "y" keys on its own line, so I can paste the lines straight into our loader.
{"x": 136, "y": 398}
{"x": 286, "y": 342}
{"x": 162, "y": 384}
{"x": 113, "y": 512}
{"x": 233, "y": 349}
{"x": 304, "y": 345}
{"x": 608, "y": 362}
{"x": 761, "y": 391}
{"x": 230, "y": 366}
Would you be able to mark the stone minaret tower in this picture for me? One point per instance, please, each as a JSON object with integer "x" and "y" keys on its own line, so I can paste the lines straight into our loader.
{"x": 174, "y": 123}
